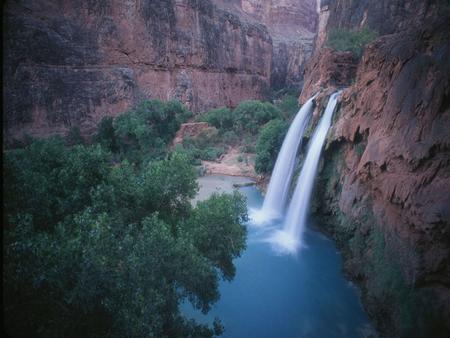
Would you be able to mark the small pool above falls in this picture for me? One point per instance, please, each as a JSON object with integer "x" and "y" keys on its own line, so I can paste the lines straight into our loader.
{"x": 274, "y": 296}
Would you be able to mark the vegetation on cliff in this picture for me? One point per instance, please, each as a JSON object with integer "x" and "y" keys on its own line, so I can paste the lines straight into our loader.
{"x": 354, "y": 41}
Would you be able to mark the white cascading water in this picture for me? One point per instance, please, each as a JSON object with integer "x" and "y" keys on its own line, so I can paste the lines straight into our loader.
{"x": 275, "y": 199}
{"x": 290, "y": 238}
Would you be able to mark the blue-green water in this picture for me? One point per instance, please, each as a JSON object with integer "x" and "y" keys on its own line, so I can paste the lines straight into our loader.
{"x": 276, "y": 296}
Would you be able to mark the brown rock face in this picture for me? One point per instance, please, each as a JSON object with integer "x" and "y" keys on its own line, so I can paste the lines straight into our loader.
{"x": 327, "y": 68}
{"x": 71, "y": 62}
{"x": 385, "y": 16}
{"x": 292, "y": 24}
{"x": 384, "y": 190}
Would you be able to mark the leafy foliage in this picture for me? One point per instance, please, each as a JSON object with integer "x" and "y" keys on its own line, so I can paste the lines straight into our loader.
{"x": 221, "y": 118}
{"x": 250, "y": 115}
{"x": 106, "y": 134}
{"x": 247, "y": 117}
{"x": 73, "y": 136}
{"x": 143, "y": 133}
{"x": 351, "y": 41}
{"x": 269, "y": 143}
{"x": 215, "y": 225}
{"x": 92, "y": 249}
{"x": 288, "y": 104}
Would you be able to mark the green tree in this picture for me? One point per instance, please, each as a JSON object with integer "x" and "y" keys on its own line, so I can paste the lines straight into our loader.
{"x": 145, "y": 132}
{"x": 268, "y": 145}
{"x": 216, "y": 226}
{"x": 92, "y": 249}
{"x": 106, "y": 134}
{"x": 221, "y": 118}
{"x": 351, "y": 41}
{"x": 250, "y": 115}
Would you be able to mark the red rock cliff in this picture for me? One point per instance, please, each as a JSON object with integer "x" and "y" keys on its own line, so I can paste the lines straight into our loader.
{"x": 292, "y": 24}
{"x": 70, "y": 63}
{"x": 385, "y": 184}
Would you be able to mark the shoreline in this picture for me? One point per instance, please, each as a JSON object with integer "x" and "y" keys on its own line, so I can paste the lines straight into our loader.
{"x": 219, "y": 183}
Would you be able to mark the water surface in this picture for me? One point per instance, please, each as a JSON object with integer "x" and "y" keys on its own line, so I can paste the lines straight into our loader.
{"x": 275, "y": 296}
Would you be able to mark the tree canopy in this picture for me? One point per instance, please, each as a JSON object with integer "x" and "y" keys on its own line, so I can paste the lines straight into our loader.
{"x": 97, "y": 248}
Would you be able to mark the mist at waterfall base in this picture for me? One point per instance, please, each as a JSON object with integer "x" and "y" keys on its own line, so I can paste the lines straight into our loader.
{"x": 286, "y": 296}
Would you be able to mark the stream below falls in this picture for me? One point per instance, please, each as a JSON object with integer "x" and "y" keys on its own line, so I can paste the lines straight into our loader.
{"x": 285, "y": 296}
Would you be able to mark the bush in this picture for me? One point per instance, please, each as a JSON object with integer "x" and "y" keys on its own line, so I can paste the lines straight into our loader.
{"x": 248, "y": 146}
{"x": 230, "y": 138}
{"x": 351, "y": 41}
{"x": 206, "y": 137}
{"x": 288, "y": 105}
{"x": 106, "y": 135}
{"x": 73, "y": 136}
{"x": 144, "y": 132}
{"x": 221, "y": 118}
{"x": 211, "y": 153}
{"x": 250, "y": 115}
{"x": 269, "y": 143}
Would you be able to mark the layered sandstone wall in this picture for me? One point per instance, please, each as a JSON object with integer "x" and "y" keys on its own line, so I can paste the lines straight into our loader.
{"x": 292, "y": 24}
{"x": 72, "y": 62}
{"x": 69, "y": 63}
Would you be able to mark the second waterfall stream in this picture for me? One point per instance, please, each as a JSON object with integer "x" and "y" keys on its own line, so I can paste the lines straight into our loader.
{"x": 290, "y": 238}
{"x": 277, "y": 192}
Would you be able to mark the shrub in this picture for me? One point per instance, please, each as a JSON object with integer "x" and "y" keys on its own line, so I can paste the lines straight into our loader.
{"x": 211, "y": 153}
{"x": 230, "y": 138}
{"x": 250, "y": 115}
{"x": 269, "y": 144}
{"x": 206, "y": 137}
{"x": 351, "y": 41}
{"x": 221, "y": 118}
{"x": 105, "y": 134}
{"x": 288, "y": 105}
{"x": 248, "y": 146}
{"x": 148, "y": 129}
{"x": 73, "y": 136}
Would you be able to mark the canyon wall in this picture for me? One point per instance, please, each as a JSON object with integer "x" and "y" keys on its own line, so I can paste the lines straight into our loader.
{"x": 384, "y": 189}
{"x": 292, "y": 24}
{"x": 69, "y": 63}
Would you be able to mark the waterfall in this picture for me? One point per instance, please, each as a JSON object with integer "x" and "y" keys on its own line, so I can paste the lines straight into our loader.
{"x": 289, "y": 239}
{"x": 275, "y": 199}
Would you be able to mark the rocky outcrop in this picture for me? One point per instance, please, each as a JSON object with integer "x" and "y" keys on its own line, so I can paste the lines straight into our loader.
{"x": 384, "y": 188}
{"x": 71, "y": 62}
{"x": 328, "y": 69}
{"x": 292, "y": 24}
{"x": 384, "y": 16}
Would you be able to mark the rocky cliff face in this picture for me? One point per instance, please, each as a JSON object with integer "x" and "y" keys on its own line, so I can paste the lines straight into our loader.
{"x": 292, "y": 24}
{"x": 384, "y": 188}
{"x": 70, "y": 63}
